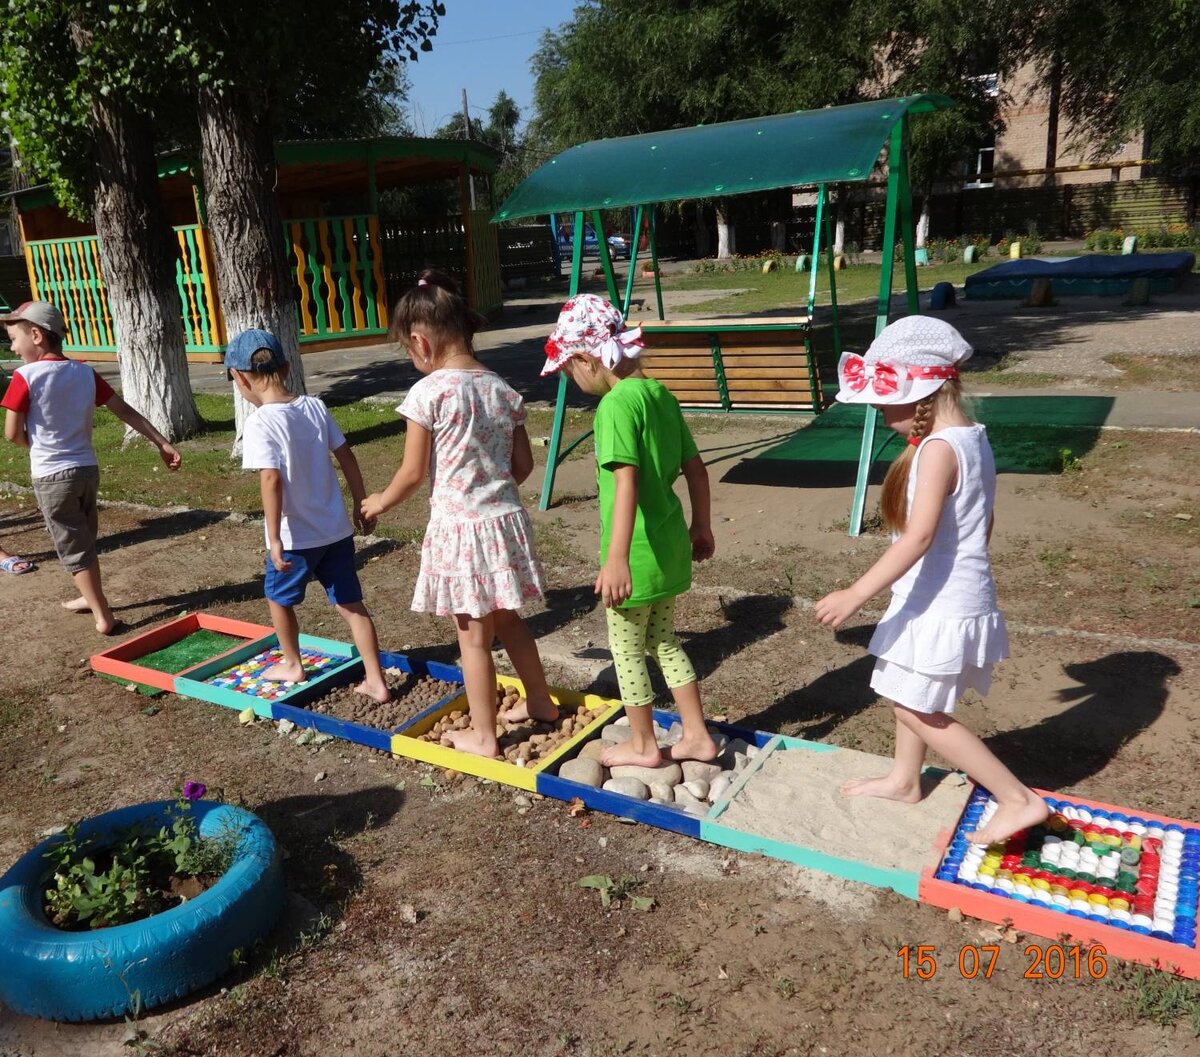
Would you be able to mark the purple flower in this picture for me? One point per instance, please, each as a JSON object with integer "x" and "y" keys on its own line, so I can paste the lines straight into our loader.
{"x": 193, "y": 791}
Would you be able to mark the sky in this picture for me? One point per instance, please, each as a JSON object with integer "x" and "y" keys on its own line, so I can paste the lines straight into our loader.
{"x": 483, "y": 46}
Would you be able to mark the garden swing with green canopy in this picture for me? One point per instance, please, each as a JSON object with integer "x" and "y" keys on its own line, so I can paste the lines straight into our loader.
{"x": 760, "y": 364}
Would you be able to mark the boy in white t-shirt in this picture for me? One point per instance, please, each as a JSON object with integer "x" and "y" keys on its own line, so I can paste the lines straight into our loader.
{"x": 289, "y": 439}
{"x": 51, "y": 401}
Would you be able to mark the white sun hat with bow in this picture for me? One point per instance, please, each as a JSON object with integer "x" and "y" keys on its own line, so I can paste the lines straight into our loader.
{"x": 907, "y": 362}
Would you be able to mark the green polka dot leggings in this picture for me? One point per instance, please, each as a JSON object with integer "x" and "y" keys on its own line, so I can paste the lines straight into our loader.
{"x": 634, "y": 632}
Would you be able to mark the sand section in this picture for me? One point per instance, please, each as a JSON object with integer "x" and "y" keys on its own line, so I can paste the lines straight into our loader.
{"x": 794, "y": 798}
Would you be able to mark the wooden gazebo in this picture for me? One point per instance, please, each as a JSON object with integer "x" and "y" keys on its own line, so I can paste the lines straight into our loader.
{"x": 347, "y": 269}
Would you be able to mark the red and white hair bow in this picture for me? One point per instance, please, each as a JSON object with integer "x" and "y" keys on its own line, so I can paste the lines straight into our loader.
{"x": 885, "y": 377}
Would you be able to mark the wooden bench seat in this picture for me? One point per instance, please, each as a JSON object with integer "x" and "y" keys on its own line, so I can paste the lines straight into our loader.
{"x": 734, "y": 364}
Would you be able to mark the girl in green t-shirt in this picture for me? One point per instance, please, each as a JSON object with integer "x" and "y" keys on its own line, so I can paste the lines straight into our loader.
{"x": 646, "y": 544}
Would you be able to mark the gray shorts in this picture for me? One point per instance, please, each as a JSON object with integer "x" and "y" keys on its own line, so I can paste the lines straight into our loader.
{"x": 68, "y": 503}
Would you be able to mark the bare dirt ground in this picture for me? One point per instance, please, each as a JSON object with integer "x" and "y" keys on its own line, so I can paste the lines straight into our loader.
{"x": 446, "y": 920}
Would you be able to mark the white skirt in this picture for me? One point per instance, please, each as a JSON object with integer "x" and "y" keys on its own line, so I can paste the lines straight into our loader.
{"x": 926, "y": 692}
{"x": 478, "y": 566}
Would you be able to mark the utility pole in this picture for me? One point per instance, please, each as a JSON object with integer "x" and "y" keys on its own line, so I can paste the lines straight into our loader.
{"x": 467, "y": 135}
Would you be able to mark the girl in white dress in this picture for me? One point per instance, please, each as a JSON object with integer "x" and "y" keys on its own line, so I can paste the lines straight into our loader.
{"x": 466, "y": 433}
{"x": 943, "y": 631}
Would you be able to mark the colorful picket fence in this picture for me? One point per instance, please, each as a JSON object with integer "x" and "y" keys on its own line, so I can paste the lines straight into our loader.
{"x": 67, "y": 272}
{"x": 337, "y": 263}
{"x": 338, "y": 266}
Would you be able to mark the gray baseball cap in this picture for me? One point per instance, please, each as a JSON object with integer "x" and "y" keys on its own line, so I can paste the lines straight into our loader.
{"x": 41, "y": 314}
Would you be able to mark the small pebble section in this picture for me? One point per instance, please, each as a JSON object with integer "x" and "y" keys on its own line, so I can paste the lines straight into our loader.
{"x": 1131, "y": 873}
{"x": 246, "y": 676}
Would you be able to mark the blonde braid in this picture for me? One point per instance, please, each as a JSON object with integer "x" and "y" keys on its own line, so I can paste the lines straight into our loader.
{"x": 922, "y": 418}
{"x": 893, "y": 503}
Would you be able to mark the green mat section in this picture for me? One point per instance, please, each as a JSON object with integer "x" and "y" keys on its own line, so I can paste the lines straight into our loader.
{"x": 1028, "y": 433}
{"x": 196, "y": 648}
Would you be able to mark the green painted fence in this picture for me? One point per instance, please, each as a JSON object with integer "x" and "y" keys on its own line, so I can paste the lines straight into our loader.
{"x": 337, "y": 263}
{"x": 338, "y": 266}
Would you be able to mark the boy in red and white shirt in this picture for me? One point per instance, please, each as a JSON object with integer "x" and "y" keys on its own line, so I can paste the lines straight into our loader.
{"x": 50, "y": 402}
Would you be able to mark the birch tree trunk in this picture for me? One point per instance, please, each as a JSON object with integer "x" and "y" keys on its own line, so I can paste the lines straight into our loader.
{"x": 726, "y": 237}
{"x": 256, "y": 286}
{"x": 923, "y": 223}
{"x": 138, "y": 263}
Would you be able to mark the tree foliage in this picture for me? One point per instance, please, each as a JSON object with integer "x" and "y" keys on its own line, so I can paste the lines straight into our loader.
{"x": 325, "y": 70}
{"x": 1125, "y": 66}
{"x": 622, "y": 67}
{"x": 51, "y": 78}
{"x": 962, "y": 48}
{"x": 501, "y": 132}
{"x": 320, "y": 69}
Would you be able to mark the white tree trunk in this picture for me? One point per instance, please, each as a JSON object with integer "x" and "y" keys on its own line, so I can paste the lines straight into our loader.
{"x": 256, "y": 286}
{"x": 923, "y": 223}
{"x": 724, "y": 240}
{"x": 839, "y": 236}
{"x": 138, "y": 264}
{"x": 726, "y": 237}
{"x": 778, "y": 236}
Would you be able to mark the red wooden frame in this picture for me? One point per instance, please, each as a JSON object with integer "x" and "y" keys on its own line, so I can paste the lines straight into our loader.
{"x": 119, "y": 661}
{"x": 1052, "y": 925}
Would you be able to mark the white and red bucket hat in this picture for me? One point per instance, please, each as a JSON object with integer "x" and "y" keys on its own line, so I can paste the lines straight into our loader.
{"x": 591, "y": 326}
{"x": 907, "y": 362}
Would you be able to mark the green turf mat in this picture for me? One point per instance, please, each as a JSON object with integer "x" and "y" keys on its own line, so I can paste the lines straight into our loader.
{"x": 1028, "y": 433}
{"x": 189, "y": 651}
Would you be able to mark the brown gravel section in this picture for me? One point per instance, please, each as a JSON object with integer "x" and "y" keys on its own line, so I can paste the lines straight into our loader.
{"x": 411, "y": 694}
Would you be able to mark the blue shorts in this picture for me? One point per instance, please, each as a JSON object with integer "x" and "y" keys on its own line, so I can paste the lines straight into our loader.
{"x": 332, "y": 565}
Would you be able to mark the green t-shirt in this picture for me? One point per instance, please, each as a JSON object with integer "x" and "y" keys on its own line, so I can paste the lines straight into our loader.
{"x": 638, "y": 423}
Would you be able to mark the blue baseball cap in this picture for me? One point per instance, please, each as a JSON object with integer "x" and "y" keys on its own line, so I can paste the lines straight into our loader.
{"x": 243, "y": 347}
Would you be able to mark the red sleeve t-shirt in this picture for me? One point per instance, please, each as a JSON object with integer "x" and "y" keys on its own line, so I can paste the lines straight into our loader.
{"x": 58, "y": 398}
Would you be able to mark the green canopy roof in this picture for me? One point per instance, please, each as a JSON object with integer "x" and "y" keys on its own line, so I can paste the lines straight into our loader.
{"x": 833, "y": 145}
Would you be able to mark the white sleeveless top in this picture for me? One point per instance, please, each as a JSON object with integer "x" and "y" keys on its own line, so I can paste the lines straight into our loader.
{"x": 943, "y": 617}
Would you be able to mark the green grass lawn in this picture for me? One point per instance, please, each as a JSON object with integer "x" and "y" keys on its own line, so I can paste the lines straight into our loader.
{"x": 209, "y": 478}
{"x": 752, "y": 292}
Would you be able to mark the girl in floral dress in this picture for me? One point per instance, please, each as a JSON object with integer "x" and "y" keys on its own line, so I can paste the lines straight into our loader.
{"x": 466, "y": 431}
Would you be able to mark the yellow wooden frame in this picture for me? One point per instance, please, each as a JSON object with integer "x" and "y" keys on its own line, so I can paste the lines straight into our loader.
{"x": 407, "y": 743}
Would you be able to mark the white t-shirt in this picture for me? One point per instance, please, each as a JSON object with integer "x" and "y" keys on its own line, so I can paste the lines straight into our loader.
{"x": 59, "y": 398}
{"x": 296, "y": 438}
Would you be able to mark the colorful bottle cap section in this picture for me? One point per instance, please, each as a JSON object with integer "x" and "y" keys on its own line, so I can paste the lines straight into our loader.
{"x": 1121, "y": 870}
{"x": 246, "y": 676}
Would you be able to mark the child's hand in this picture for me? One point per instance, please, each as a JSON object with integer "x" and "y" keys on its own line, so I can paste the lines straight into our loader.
{"x": 371, "y": 508}
{"x": 282, "y": 564}
{"x": 703, "y": 544}
{"x": 615, "y": 583}
{"x": 365, "y": 525}
{"x": 170, "y": 456}
{"x": 837, "y": 607}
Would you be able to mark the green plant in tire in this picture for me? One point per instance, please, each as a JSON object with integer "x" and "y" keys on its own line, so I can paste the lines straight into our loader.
{"x": 129, "y": 877}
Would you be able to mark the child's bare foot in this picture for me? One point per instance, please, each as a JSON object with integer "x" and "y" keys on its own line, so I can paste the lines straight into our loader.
{"x": 474, "y": 742}
{"x": 625, "y": 755}
{"x": 700, "y": 747}
{"x": 77, "y": 605}
{"x": 376, "y": 691}
{"x": 284, "y": 673}
{"x": 108, "y": 625}
{"x": 545, "y": 711}
{"x": 885, "y": 788}
{"x": 1010, "y": 819}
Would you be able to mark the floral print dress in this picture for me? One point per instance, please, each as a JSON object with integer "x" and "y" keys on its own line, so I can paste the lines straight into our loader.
{"x": 478, "y": 553}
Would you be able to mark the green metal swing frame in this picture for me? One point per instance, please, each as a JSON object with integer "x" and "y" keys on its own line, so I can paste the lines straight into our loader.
{"x": 806, "y": 148}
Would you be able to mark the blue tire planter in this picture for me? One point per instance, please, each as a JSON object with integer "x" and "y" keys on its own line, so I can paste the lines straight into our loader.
{"x": 58, "y": 975}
